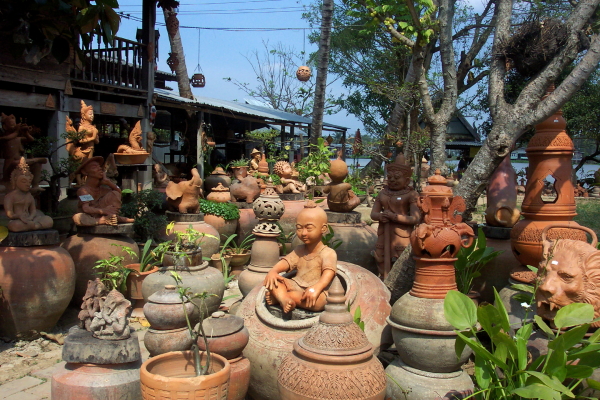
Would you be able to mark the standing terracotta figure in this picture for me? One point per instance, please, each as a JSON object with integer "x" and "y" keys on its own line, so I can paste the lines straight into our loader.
{"x": 82, "y": 149}
{"x": 315, "y": 263}
{"x": 99, "y": 199}
{"x": 150, "y": 138}
{"x": 340, "y": 197}
{"x": 397, "y": 212}
{"x": 135, "y": 141}
{"x": 20, "y": 204}
{"x": 284, "y": 170}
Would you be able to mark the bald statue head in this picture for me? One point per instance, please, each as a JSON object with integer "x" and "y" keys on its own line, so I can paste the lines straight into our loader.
{"x": 311, "y": 223}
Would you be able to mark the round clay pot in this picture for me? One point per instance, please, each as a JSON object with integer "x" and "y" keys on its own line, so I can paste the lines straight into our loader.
{"x": 272, "y": 338}
{"x": 198, "y": 278}
{"x": 37, "y": 285}
{"x": 217, "y": 262}
{"x": 135, "y": 279}
{"x": 183, "y": 221}
{"x": 226, "y": 335}
{"x": 172, "y": 376}
{"x": 219, "y": 194}
{"x": 239, "y": 378}
{"x": 218, "y": 176}
{"x": 239, "y": 260}
{"x": 225, "y": 228}
{"x": 191, "y": 258}
{"x": 86, "y": 249}
{"x": 163, "y": 341}
{"x": 164, "y": 310}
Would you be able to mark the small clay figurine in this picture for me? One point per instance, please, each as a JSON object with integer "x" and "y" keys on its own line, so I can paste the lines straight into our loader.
{"x": 340, "y": 197}
{"x": 255, "y": 157}
{"x": 19, "y": 204}
{"x": 93, "y": 301}
{"x": 290, "y": 185}
{"x": 99, "y": 199}
{"x": 111, "y": 322}
{"x": 159, "y": 176}
{"x": 248, "y": 189}
{"x": 83, "y": 149}
{"x": 315, "y": 263}
{"x": 150, "y": 138}
{"x": 396, "y": 210}
{"x": 135, "y": 141}
{"x": 183, "y": 196}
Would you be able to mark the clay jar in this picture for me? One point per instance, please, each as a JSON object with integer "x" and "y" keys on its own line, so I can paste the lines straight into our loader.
{"x": 165, "y": 311}
{"x": 225, "y": 227}
{"x": 183, "y": 221}
{"x": 502, "y": 196}
{"x": 219, "y": 194}
{"x": 226, "y": 335}
{"x": 217, "y": 177}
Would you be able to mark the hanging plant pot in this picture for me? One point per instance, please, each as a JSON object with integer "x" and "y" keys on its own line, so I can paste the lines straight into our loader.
{"x": 173, "y": 61}
{"x": 303, "y": 73}
{"x": 172, "y": 24}
{"x": 198, "y": 80}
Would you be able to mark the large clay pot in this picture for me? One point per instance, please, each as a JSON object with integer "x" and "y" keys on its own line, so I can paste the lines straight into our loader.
{"x": 164, "y": 310}
{"x": 171, "y": 376}
{"x": 163, "y": 341}
{"x": 247, "y": 222}
{"x": 239, "y": 379}
{"x": 37, "y": 285}
{"x": 198, "y": 278}
{"x": 86, "y": 249}
{"x": 272, "y": 338}
{"x": 209, "y": 244}
{"x": 225, "y": 228}
{"x": 226, "y": 335}
{"x": 262, "y": 261}
{"x": 218, "y": 176}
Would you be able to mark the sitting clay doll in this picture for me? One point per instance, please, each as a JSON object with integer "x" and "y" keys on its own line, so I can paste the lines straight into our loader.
{"x": 20, "y": 204}
{"x": 290, "y": 185}
{"x": 111, "y": 322}
{"x": 315, "y": 263}
{"x": 339, "y": 196}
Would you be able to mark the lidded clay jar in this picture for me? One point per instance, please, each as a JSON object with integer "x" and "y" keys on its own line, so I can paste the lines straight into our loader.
{"x": 217, "y": 176}
{"x": 226, "y": 334}
{"x": 164, "y": 310}
{"x": 219, "y": 194}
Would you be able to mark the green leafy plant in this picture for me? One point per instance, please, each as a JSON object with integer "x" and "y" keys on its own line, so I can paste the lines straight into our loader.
{"x": 316, "y": 163}
{"x": 471, "y": 260}
{"x": 357, "y": 317}
{"x": 185, "y": 242}
{"x": 328, "y": 239}
{"x": 230, "y": 246}
{"x": 266, "y": 137}
{"x": 276, "y": 179}
{"x": 149, "y": 257}
{"x": 144, "y": 207}
{"x": 112, "y": 272}
{"x": 284, "y": 238}
{"x": 503, "y": 369}
{"x": 242, "y": 162}
{"x": 227, "y": 211}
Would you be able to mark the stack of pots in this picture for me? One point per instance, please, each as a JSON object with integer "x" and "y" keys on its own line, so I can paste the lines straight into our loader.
{"x": 427, "y": 366}
{"x": 227, "y": 336}
{"x": 168, "y": 327}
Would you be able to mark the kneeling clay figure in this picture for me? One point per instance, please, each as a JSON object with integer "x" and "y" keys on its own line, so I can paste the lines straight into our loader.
{"x": 315, "y": 263}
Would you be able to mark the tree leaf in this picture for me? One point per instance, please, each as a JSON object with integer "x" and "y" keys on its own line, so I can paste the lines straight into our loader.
{"x": 551, "y": 383}
{"x": 502, "y": 314}
{"x": 542, "y": 325}
{"x": 537, "y": 391}
{"x": 574, "y": 314}
{"x": 579, "y": 371}
{"x": 459, "y": 310}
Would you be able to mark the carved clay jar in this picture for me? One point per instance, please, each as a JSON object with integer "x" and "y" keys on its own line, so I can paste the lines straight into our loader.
{"x": 550, "y": 152}
{"x": 218, "y": 176}
{"x": 502, "y": 196}
{"x": 164, "y": 310}
{"x": 272, "y": 338}
{"x": 219, "y": 194}
{"x": 334, "y": 360}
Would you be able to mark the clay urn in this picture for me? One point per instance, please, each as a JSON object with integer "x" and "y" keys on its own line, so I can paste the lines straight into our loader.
{"x": 165, "y": 311}
{"x": 303, "y": 73}
{"x": 226, "y": 334}
{"x": 219, "y": 194}
{"x": 502, "y": 196}
{"x": 217, "y": 176}
{"x": 334, "y": 360}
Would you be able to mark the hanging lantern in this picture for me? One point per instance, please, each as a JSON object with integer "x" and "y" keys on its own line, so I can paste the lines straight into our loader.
{"x": 198, "y": 80}
{"x": 173, "y": 61}
{"x": 303, "y": 74}
{"x": 172, "y": 24}
{"x": 329, "y": 140}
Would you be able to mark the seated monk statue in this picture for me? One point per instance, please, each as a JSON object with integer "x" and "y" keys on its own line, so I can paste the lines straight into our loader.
{"x": 19, "y": 204}
{"x": 283, "y": 169}
{"x": 135, "y": 141}
{"x": 99, "y": 198}
{"x": 340, "y": 197}
{"x": 315, "y": 263}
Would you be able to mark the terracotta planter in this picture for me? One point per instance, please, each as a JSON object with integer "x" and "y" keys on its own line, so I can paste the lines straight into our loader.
{"x": 128, "y": 159}
{"x": 217, "y": 262}
{"x": 239, "y": 260}
{"x": 183, "y": 222}
{"x": 135, "y": 280}
{"x": 191, "y": 258}
{"x": 239, "y": 378}
{"x": 225, "y": 228}
{"x": 172, "y": 376}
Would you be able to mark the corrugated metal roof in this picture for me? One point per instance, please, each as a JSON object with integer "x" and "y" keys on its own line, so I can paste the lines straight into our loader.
{"x": 245, "y": 109}
{"x": 463, "y": 143}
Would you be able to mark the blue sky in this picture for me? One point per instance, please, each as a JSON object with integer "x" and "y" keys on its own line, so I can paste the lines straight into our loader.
{"x": 224, "y": 42}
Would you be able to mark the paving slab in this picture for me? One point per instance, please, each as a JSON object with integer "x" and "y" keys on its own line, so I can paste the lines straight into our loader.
{"x": 18, "y": 385}
{"x": 23, "y": 396}
{"x": 42, "y": 391}
{"x": 47, "y": 373}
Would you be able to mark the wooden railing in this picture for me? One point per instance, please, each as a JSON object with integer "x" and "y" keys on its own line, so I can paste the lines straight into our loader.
{"x": 118, "y": 64}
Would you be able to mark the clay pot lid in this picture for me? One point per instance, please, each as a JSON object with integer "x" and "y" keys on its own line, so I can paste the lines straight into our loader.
{"x": 218, "y": 171}
{"x": 523, "y": 275}
{"x": 221, "y": 324}
{"x": 336, "y": 334}
{"x": 220, "y": 188}
{"x": 168, "y": 295}
{"x": 437, "y": 178}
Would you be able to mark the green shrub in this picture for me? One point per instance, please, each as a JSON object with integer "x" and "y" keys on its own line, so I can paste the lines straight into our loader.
{"x": 226, "y": 211}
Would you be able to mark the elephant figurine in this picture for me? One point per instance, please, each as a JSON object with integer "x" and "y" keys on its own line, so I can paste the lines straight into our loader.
{"x": 247, "y": 189}
{"x": 183, "y": 196}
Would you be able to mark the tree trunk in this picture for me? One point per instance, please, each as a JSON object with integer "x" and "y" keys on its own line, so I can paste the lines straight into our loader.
{"x": 183, "y": 79}
{"x": 321, "y": 80}
{"x": 438, "y": 146}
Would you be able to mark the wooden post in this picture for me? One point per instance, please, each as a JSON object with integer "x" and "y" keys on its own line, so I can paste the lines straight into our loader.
{"x": 199, "y": 150}
{"x": 148, "y": 63}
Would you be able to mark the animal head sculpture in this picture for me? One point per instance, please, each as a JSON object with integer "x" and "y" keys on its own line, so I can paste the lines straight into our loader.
{"x": 183, "y": 196}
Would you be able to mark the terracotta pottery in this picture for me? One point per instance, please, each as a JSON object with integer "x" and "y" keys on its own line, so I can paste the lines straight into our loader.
{"x": 198, "y": 278}
{"x": 502, "y": 196}
{"x": 172, "y": 376}
{"x": 225, "y": 228}
{"x": 434, "y": 277}
{"x": 288, "y": 219}
{"x": 128, "y": 159}
{"x": 191, "y": 258}
{"x": 263, "y": 165}
{"x": 261, "y": 262}
{"x": 217, "y": 262}
{"x": 196, "y": 221}
{"x": 226, "y": 335}
{"x": 334, "y": 360}
{"x": 135, "y": 280}
{"x": 239, "y": 379}
{"x": 164, "y": 341}
{"x": 272, "y": 338}
{"x": 246, "y": 222}
{"x": 239, "y": 260}
{"x": 218, "y": 176}
{"x": 86, "y": 249}
{"x": 37, "y": 285}
{"x": 240, "y": 173}
{"x": 246, "y": 190}
{"x": 165, "y": 311}
{"x": 219, "y": 194}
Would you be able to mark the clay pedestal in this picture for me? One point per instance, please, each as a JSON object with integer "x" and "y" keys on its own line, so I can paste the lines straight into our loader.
{"x": 183, "y": 221}
{"x": 37, "y": 278}
{"x": 98, "y": 369}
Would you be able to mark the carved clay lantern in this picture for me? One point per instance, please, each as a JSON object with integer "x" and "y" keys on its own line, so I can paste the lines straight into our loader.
{"x": 303, "y": 73}
{"x": 198, "y": 80}
{"x": 173, "y": 61}
{"x": 172, "y": 24}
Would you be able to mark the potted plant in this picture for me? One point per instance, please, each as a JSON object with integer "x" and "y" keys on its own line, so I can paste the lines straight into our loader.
{"x": 112, "y": 273}
{"x": 182, "y": 374}
{"x": 240, "y": 168}
{"x": 149, "y": 260}
{"x": 184, "y": 250}
{"x": 240, "y": 253}
{"x": 222, "y": 216}
{"x": 145, "y": 207}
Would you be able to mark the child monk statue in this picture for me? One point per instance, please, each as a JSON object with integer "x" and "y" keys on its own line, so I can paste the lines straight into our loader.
{"x": 315, "y": 263}
{"x": 284, "y": 170}
{"x": 340, "y": 197}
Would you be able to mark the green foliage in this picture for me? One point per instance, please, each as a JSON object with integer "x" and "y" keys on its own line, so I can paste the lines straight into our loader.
{"x": 328, "y": 239}
{"x": 242, "y": 162}
{"x": 316, "y": 163}
{"x": 503, "y": 369}
{"x": 188, "y": 241}
{"x": 357, "y": 317}
{"x": 230, "y": 246}
{"x": 266, "y": 137}
{"x": 149, "y": 257}
{"x": 227, "y": 211}
{"x": 275, "y": 179}
{"x": 471, "y": 260}
{"x": 144, "y": 208}
{"x": 112, "y": 272}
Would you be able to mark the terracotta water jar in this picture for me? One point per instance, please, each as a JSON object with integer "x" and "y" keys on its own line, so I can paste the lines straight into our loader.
{"x": 334, "y": 360}
{"x": 272, "y": 338}
{"x": 159, "y": 341}
{"x": 135, "y": 279}
{"x": 502, "y": 196}
{"x": 219, "y": 194}
{"x": 165, "y": 311}
{"x": 218, "y": 176}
